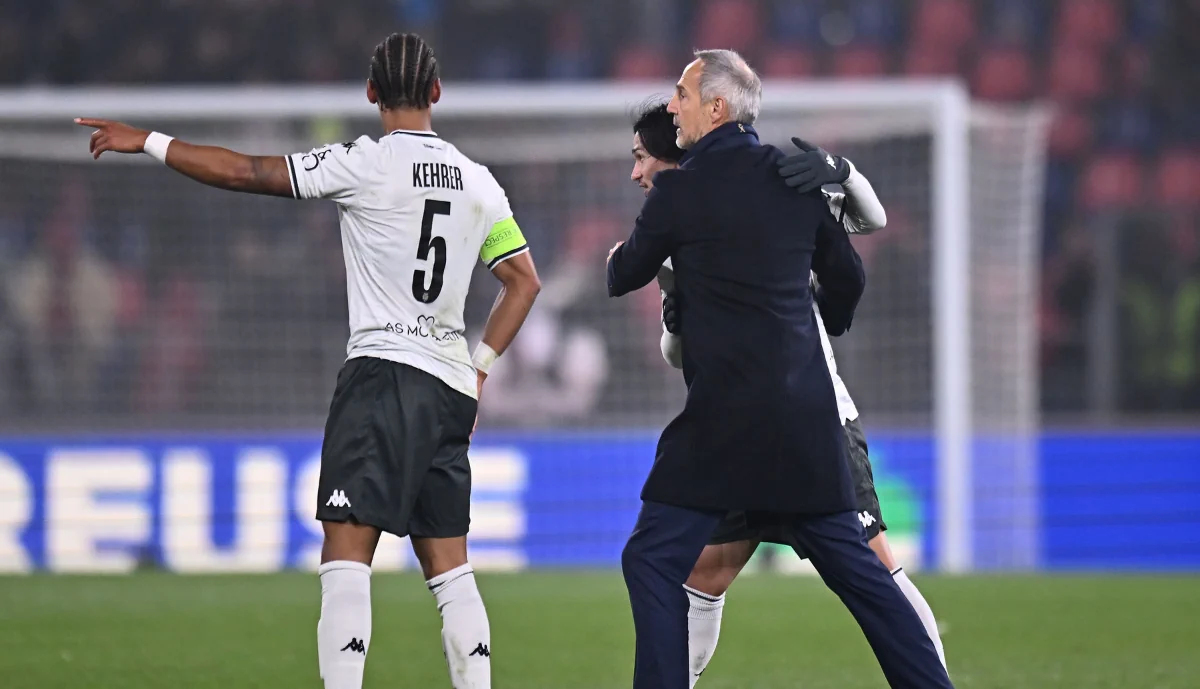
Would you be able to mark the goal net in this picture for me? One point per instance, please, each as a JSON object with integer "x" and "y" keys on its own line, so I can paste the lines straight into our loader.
{"x": 196, "y": 309}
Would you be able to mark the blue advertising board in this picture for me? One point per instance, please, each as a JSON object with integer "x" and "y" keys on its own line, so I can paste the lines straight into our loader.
{"x": 207, "y": 503}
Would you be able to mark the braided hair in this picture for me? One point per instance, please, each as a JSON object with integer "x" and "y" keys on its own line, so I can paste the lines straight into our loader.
{"x": 403, "y": 71}
{"x": 656, "y": 128}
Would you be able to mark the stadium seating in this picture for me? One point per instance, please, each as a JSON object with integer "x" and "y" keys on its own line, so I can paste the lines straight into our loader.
{"x": 1177, "y": 179}
{"x": 1070, "y": 133}
{"x": 1111, "y": 180}
{"x": 1076, "y": 74}
{"x": 1116, "y": 72}
{"x": 943, "y": 22}
{"x": 859, "y": 63}
{"x": 1003, "y": 74}
{"x": 929, "y": 61}
{"x": 642, "y": 62}
{"x": 1092, "y": 23}
{"x": 730, "y": 24}
{"x": 788, "y": 63}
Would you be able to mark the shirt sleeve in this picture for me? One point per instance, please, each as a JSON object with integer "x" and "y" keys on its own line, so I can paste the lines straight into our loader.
{"x": 671, "y": 347}
{"x": 503, "y": 242}
{"x": 330, "y": 172}
{"x": 859, "y": 209}
{"x": 496, "y": 206}
{"x": 504, "y": 238}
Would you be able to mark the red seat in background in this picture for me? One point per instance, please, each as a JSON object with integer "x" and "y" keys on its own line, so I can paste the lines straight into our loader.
{"x": 1091, "y": 23}
{"x": 1177, "y": 178}
{"x": 642, "y": 62}
{"x": 1003, "y": 74}
{"x": 931, "y": 61}
{"x": 860, "y": 63}
{"x": 947, "y": 23}
{"x": 781, "y": 62}
{"x": 1111, "y": 181}
{"x": 1071, "y": 133}
{"x": 1076, "y": 74}
{"x": 732, "y": 24}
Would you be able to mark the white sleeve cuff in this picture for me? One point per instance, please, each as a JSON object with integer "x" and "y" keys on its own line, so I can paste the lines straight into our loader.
{"x": 671, "y": 347}
{"x": 292, "y": 176}
{"x": 863, "y": 211}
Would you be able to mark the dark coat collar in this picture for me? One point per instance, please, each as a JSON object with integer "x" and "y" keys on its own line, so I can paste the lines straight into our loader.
{"x": 728, "y": 135}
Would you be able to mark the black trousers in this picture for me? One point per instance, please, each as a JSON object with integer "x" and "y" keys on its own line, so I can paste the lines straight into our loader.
{"x": 666, "y": 543}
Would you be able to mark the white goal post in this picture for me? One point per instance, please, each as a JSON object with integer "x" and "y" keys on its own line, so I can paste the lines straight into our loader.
{"x": 964, "y": 179}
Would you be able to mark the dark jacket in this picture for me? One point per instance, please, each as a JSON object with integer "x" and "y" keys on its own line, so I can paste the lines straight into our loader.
{"x": 760, "y": 429}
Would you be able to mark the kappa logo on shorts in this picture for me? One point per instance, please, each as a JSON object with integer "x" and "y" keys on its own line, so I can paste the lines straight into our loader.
{"x": 866, "y": 519}
{"x": 338, "y": 499}
{"x": 481, "y": 650}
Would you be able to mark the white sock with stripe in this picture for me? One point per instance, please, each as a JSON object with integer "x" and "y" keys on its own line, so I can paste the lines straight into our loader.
{"x": 923, "y": 610}
{"x": 704, "y": 627}
{"x": 466, "y": 635}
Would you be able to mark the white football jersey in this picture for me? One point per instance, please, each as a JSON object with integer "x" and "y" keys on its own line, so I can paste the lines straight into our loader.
{"x": 846, "y": 406}
{"x": 415, "y": 215}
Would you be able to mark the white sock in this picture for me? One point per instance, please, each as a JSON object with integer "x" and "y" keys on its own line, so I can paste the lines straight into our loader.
{"x": 344, "y": 630}
{"x": 704, "y": 626}
{"x": 923, "y": 610}
{"x": 466, "y": 636}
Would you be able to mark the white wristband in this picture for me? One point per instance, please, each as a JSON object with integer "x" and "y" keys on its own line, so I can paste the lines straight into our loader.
{"x": 484, "y": 357}
{"x": 156, "y": 146}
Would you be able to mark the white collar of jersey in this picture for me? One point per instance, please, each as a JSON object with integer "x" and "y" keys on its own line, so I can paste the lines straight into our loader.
{"x": 414, "y": 132}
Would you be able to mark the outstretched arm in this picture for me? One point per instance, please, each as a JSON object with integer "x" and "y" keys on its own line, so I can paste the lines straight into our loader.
{"x": 211, "y": 165}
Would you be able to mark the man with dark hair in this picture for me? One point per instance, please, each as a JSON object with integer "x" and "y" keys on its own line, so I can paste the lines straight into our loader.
{"x": 735, "y": 540}
{"x": 415, "y": 215}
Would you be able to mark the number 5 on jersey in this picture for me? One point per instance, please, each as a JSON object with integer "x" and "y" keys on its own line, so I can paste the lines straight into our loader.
{"x": 430, "y": 243}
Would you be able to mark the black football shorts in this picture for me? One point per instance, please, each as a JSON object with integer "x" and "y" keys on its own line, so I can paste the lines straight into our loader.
{"x": 395, "y": 451}
{"x": 738, "y": 526}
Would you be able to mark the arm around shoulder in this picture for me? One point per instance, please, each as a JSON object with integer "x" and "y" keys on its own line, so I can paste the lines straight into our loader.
{"x": 637, "y": 261}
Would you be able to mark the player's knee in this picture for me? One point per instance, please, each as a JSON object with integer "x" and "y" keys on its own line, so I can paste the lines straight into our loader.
{"x": 883, "y": 551}
{"x": 439, "y": 555}
{"x": 714, "y": 581}
{"x": 349, "y": 541}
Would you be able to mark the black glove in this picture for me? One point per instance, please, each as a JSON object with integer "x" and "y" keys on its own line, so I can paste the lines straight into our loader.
{"x": 670, "y": 314}
{"x": 812, "y": 168}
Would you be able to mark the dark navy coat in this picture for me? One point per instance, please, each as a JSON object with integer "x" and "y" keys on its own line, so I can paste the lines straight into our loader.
{"x": 760, "y": 429}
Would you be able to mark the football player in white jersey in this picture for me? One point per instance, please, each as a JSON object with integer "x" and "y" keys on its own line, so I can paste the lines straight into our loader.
{"x": 415, "y": 215}
{"x": 735, "y": 540}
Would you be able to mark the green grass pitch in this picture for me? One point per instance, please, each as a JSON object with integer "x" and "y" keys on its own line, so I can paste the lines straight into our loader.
{"x": 573, "y": 631}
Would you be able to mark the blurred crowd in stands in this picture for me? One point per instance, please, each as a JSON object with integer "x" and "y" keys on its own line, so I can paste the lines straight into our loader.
{"x": 1121, "y": 251}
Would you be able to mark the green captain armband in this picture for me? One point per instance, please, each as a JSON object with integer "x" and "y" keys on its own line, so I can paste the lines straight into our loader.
{"x": 503, "y": 241}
